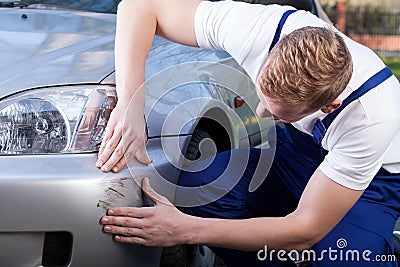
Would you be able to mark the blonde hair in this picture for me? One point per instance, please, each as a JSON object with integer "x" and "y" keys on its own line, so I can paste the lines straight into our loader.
{"x": 311, "y": 65}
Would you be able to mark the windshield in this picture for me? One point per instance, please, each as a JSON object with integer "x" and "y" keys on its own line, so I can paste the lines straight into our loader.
{"x": 107, "y": 6}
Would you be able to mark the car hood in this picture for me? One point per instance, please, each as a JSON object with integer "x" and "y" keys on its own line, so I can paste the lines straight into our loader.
{"x": 49, "y": 47}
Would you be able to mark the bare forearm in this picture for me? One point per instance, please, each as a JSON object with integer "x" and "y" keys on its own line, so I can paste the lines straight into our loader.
{"x": 137, "y": 23}
{"x": 136, "y": 26}
{"x": 251, "y": 234}
{"x": 308, "y": 224}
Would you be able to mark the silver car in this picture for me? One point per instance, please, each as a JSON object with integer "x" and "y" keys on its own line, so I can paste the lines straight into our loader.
{"x": 57, "y": 89}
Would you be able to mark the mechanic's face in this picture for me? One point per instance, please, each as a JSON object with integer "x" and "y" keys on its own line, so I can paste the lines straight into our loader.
{"x": 279, "y": 111}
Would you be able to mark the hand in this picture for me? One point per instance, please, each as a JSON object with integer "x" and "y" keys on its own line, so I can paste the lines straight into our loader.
{"x": 161, "y": 225}
{"x": 122, "y": 141}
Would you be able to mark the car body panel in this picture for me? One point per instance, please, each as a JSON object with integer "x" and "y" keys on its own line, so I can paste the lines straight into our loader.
{"x": 62, "y": 43}
{"x": 53, "y": 193}
{"x": 66, "y": 193}
{"x": 52, "y": 47}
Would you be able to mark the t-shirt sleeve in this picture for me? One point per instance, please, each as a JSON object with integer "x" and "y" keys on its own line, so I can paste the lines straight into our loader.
{"x": 244, "y": 30}
{"x": 356, "y": 154}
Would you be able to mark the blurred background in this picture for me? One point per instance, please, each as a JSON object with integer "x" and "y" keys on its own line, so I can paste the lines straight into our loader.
{"x": 374, "y": 23}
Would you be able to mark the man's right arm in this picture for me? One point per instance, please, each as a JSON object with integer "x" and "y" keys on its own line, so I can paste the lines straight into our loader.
{"x": 137, "y": 23}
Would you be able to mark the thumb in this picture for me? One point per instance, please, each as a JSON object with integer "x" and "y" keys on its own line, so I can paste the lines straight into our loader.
{"x": 141, "y": 155}
{"x": 153, "y": 195}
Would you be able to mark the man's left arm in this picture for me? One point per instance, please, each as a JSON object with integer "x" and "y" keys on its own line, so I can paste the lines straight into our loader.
{"x": 322, "y": 205}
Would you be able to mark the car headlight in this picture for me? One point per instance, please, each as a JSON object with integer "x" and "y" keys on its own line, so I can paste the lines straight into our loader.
{"x": 63, "y": 119}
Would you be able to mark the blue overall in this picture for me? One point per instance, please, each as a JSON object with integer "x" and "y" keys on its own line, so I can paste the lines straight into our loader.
{"x": 361, "y": 238}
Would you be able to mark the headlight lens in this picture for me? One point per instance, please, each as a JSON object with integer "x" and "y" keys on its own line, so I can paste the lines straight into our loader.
{"x": 67, "y": 119}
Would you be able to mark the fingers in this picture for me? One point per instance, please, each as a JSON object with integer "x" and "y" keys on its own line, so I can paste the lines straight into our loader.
{"x": 136, "y": 147}
{"x": 106, "y": 138}
{"x": 127, "y": 224}
{"x": 152, "y": 194}
{"x": 114, "y": 156}
{"x": 127, "y": 235}
{"x": 149, "y": 226}
{"x": 122, "y": 221}
{"x": 130, "y": 235}
{"x": 132, "y": 212}
{"x": 108, "y": 148}
{"x": 119, "y": 166}
{"x": 131, "y": 240}
{"x": 141, "y": 155}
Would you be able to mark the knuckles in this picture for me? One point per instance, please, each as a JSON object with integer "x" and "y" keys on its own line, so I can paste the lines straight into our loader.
{"x": 127, "y": 221}
{"x": 130, "y": 231}
{"x": 119, "y": 152}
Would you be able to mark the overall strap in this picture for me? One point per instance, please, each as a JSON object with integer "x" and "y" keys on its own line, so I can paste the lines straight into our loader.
{"x": 321, "y": 125}
{"x": 279, "y": 28}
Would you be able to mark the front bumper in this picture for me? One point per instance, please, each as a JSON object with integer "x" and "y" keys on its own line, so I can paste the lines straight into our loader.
{"x": 67, "y": 195}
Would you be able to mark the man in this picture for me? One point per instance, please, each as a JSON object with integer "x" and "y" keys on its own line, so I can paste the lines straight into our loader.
{"x": 334, "y": 184}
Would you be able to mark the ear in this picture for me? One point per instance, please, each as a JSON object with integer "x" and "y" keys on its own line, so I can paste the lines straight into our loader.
{"x": 335, "y": 104}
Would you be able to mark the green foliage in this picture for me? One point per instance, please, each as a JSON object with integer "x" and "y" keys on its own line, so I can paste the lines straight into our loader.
{"x": 394, "y": 64}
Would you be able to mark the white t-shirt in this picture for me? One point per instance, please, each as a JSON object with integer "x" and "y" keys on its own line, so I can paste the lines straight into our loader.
{"x": 364, "y": 137}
